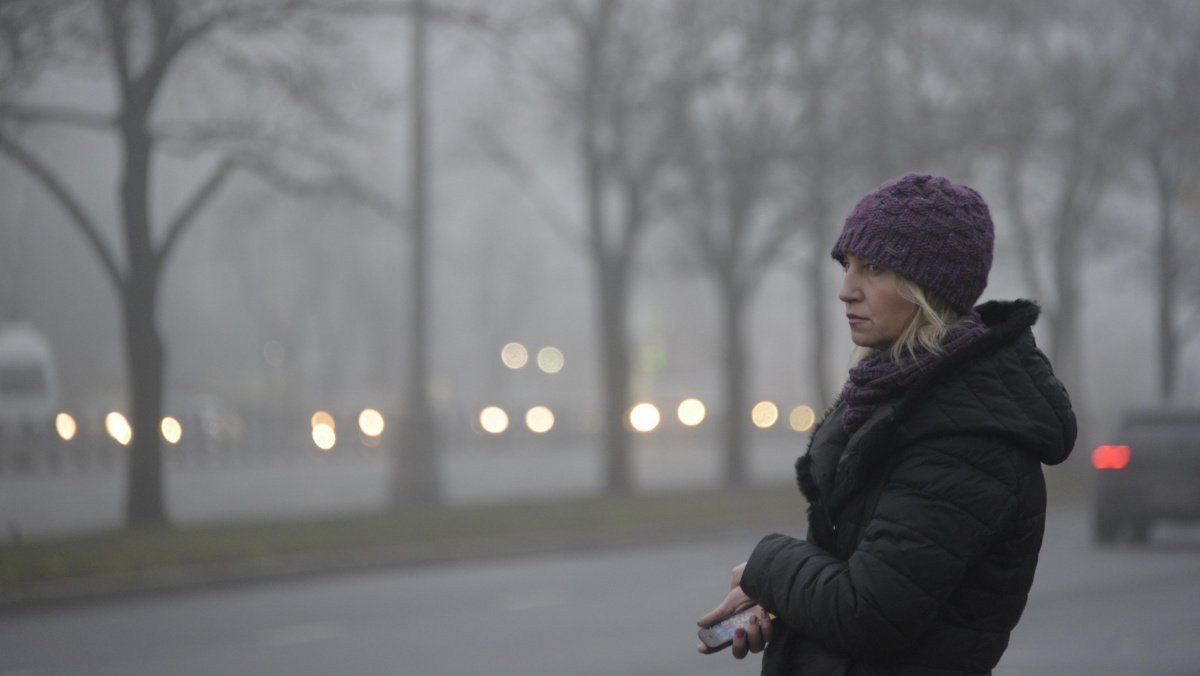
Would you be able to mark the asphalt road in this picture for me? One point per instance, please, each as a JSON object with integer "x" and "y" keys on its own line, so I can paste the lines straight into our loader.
{"x": 628, "y": 611}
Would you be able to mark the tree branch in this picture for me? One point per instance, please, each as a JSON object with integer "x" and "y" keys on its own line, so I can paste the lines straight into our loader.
{"x": 760, "y": 261}
{"x": 193, "y": 206}
{"x": 530, "y": 183}
{"x": 58, "y": 189}
{"x": 340, "y": 184}
{"x": 64, "y": 115}
{"x": 114, "y": 13}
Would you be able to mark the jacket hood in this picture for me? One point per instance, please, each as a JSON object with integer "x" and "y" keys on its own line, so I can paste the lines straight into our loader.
{"x": 1005, "y": 385}
{"x": 1001, "y": 385}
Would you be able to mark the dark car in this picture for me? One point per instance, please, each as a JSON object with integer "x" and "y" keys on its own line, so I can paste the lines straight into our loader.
{"x": 1150, "y": 473}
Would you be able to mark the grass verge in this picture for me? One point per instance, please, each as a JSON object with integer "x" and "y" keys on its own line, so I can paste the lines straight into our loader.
{"x": 176, "y": 556}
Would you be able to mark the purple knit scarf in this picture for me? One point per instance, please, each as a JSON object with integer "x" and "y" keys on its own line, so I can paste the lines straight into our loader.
{"x": 877, "y": 378}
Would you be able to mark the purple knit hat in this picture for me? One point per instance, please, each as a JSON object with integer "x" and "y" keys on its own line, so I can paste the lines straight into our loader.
{"x": 930, "y": 230}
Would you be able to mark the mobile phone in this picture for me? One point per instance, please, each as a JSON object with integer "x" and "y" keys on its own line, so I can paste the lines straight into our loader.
{"x": 720, "y": 635}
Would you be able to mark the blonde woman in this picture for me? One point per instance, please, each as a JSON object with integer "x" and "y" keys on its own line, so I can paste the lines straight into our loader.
{"x": 924, "y": 481}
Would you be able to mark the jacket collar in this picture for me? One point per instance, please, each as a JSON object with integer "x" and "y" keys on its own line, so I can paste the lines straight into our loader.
{"x": 869, "y": 445}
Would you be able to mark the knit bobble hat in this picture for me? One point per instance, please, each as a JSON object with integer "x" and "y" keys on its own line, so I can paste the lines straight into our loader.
{"x": 929, "y": 230}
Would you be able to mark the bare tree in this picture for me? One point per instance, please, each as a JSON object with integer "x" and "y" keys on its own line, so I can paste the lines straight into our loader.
{"x": 1058, "y": 131}
{"x": 622, "y": 100}
{"x": 1168, "y": 140}
{"x": 146, "y": 47}
{"x": 740, "y": 130}
{"x": 812, "y": 37}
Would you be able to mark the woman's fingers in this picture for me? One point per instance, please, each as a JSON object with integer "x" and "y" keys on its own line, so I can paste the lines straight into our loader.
{"x": 740, "y": 644}
{"x": 754, "y": 636}
{"x": 768, "y": 630}
{"x": 735, "y": 577}
{"x": 734, "y": 600}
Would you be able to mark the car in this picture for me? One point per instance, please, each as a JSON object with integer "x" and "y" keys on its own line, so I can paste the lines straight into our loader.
{"x": 1150, "y": 474}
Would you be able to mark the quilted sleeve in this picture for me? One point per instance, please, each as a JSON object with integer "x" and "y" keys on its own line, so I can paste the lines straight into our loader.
{"x": 937, "y": 514}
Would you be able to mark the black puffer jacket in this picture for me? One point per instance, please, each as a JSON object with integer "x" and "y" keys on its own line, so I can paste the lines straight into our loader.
{"x": 925, "y": 524}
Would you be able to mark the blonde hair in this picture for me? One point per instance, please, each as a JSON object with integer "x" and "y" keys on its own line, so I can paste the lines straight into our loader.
{"x": 926, "y": 331}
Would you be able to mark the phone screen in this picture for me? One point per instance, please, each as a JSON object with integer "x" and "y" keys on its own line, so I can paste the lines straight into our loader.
{"x": 720, "y": 634}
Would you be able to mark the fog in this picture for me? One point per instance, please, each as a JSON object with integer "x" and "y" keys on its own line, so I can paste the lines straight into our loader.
{"x": 279, "y": 302}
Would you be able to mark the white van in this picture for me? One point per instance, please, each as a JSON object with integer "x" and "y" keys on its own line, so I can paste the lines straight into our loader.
{"x": 29, "y": 396}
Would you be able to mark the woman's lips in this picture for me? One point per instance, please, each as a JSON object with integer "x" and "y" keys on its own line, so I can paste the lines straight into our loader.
{"x": 855, "y": 319}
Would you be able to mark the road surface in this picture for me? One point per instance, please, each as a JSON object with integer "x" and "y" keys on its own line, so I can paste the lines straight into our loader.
{"x": 626, "y": 611}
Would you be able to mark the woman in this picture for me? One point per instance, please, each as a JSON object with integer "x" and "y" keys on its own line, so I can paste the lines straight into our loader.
{"x": 924, "y": 482}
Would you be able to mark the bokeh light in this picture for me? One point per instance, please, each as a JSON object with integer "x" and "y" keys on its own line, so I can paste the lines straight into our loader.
{"x": 172, "y": 431}
{"x": 370, "y": 421}
{"x": 514, "y": 355}
{"x": 539, "y": 419}
{"x": 691, "y": 412}
{"x": 550, "y": 359}
{"x": 764, "y": 414}
{"x": 322, "y": 418}
{"x": 493, "y": 419}
{"x": 65, "y": 425}
{"x": 118, "y": 428}
{"x": 644, "y": 417}
{"x": 324, "y": 436}
{"x": 802, "y": 418}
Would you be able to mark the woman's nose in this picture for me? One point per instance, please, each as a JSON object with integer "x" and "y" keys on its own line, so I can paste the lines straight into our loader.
{"x": 849, "y": 291}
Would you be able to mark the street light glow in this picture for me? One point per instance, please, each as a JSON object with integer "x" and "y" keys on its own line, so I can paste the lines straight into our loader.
{"x": 691, "y": 412}
{"x": 322, "y": 418}
{"x": 514, "y": 355}
{"x": 765, "y": 414}
{"x": 539, "y": 419}
{"x": 172, "y": 431}
{"x": 118, "y": 428}
{"x": 324, "y": 436}
{"x": 550, "y": 359}
{"x": 644, "y": 417}
{"x": 65, "y": 425}
{"x": 802, "y": 418}
{"x": 370, "y": 421}
{"x": 493, "y": 419}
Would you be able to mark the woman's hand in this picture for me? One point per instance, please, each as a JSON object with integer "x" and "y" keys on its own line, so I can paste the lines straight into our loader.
{"x": 750, "y": 640}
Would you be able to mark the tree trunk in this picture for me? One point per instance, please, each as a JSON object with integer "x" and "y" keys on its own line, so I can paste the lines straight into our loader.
{"x": 818, "y": 295}
{"x": 144, "y": 505}
{"x": 1066, "y": 351}
{"x": 144, "y": 348}
{"x": 734, "y": 376}
{"x": 1168, "y": 348}
{"x": 614, "y": 369}
{"x": 416, "y": 478}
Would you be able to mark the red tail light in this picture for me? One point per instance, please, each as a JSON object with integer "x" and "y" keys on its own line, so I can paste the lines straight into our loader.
{"x": 1110, "y": 457}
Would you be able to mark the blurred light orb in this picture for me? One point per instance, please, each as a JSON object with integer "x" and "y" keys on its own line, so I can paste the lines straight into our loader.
{"x": 691, "y": 412}
{"x": 644, "y": 417}
{"x": 65, "y": 425}
{"x": 172, "y": 431}
{"x": 493, "y": 419}
{"x": 118, "y": 428}
{"x": 324, "y": 436}
{"x": 764, "y": 414}
{"x": 370, "y": 421}
{"x": 550, "y": 359}
{"x": 514, "y": 355}
{"x": 322, "y": 418}
{"x": 802, "y": 418}
{"x": 539, "y": 419}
